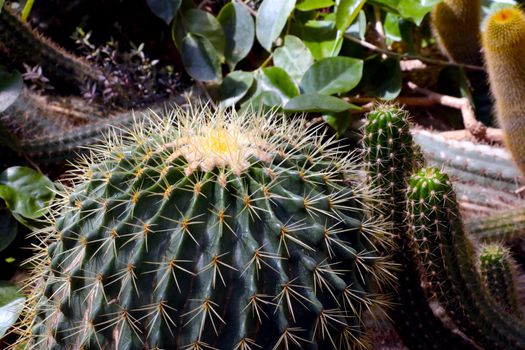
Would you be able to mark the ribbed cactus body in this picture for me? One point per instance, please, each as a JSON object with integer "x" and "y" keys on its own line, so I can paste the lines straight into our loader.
{"x": 504, "y": 48}
{"x": 498, "y": 273}
{"x": 234, "y": 233}
{"x": 456, "y": 26}
{"x": 390, "y": 157}
{"x": 447, "y": 258}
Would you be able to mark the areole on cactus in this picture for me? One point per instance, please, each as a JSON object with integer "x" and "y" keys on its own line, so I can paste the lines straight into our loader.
{"x": 209, "y": 230}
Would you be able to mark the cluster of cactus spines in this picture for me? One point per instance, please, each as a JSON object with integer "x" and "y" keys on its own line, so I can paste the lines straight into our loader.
{"x": 485, "y": 177}
{"x": 23, "y": 45}
{"x": 209, "y": 230}
{"x": 450, "y": 15}
{"x": 390, "y": 157}
{"x": 448, "y": 264}
{"x": 504, "y": 48}
{"x": 498, "y": 273}
{"x": 503, "y": 226}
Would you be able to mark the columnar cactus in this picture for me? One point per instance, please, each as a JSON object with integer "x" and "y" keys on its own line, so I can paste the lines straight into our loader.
{"x": 450, "y": 15}
{"x": 209, "y": 230}
{"x": 498, "y": 273}
{"x": 390, "y": 158}
{"x": 504, "y": 48}
{"x": 447, "y": 259}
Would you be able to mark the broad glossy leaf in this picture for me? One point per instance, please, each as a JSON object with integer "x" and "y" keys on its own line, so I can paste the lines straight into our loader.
{"x": 318, "y": 104}
{"x": 278, "y": 81}
{"x": 332, "y": 75}
{"x": 383, "y": 78}
{"x": 25, "y": 191}
{"x": 200, "y": 58}
{"x": 309, "y": 5}
{"x": 164, "y": 9}
{"x": 271, "y": 19}
{"x": 391, "y": 25}
{"x": 321, "y": 38}
{"x": 390, "y": 5}
{"x": 201, "y": 23}
{"x": 294, "y": 57}
{"x": 239, "y": 32}
{"x": 346, "y": 11}
{"x": 234, "y": 87}
{"x": 8, "y": 228}
{"x": 338, "y": 121}
{"x": 265, "y": 100}
{"x": 11, "y": 85}
{"x": 415, "y": 9}
{"x": 358, "y": 28}
{"x": 11, "y": 304}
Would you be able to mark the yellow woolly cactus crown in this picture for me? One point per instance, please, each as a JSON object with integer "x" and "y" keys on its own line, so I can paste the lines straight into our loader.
{"x": 504, "y": 28}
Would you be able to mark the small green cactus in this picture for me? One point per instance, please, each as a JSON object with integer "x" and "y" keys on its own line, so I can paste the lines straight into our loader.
{"x": 390, "y": 158}
{"x": 209, "y": 230}
{"x": 498, "y": 273}
{"x": 448, "y": 263}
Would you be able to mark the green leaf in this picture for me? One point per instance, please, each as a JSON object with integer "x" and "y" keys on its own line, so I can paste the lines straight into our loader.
{"x": 234, "y": 87}
{"x": 25, "y": 191}
{"x": 318, "y": 104}
{"x": 332, "y": 75}
{"x": 266, "y": 100}
{"x": 11, "y": 304}
{"x": 271, "y": 19}
{"x": 338, "y": 121}
{"x": 201, "y": 23}
{"x": 11, "y": 85}
{"x": 8, "y": 228}
{"x": 200, "y": 58}
{"x": 1, "y": 5}
{"x": 390, "y": 5}
{"x": 321, "y": 38}
{"x": 309, "y": 5}
{"x": 239, "y": 31}
{"x": 358, "y": 28}
{"x": 277, "y": 80}
{"x": 164, "y": 9}
{"x": 391, "y": 25}
{"x": 383, "y": 78}
{"x": 415, "y": 10}
{"x": 346, "y": 11}
{"x": 294, "y": 57}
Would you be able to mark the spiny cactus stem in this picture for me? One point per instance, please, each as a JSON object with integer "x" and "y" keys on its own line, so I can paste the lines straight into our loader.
{"x": 390, "y": 158}
{"x": 498, "y": 273}
{"x": 447, "y": 257}
{"x": 24, "y": 45}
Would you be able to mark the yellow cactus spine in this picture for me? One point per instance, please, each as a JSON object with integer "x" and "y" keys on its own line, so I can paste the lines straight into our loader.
{"x": 456, "y": 27}
{"x": 503, "y": 40}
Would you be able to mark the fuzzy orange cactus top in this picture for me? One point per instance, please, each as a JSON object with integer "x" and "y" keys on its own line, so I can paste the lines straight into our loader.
{"x": 503, "y": 41}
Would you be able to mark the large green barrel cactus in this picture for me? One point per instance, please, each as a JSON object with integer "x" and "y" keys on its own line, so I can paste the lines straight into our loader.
{"x": 209, "y": 231}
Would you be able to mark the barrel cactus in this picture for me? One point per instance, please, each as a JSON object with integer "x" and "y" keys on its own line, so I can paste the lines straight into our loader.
{"x": 209, "y": 230}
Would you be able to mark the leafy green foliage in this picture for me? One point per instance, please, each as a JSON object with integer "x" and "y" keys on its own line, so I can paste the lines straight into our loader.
{"x": 25, "y": 191}
{"x": 11, "y": 304}
{"x": 239, "y": 32}
{"x": 332, "y": 75}
{"x": 271, "y": 19}
{"x": 164, "y": 9}
{"x": 300, "y": 55}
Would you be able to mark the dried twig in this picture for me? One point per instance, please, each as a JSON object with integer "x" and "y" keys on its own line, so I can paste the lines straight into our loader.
{"x": 410, "y": 57}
